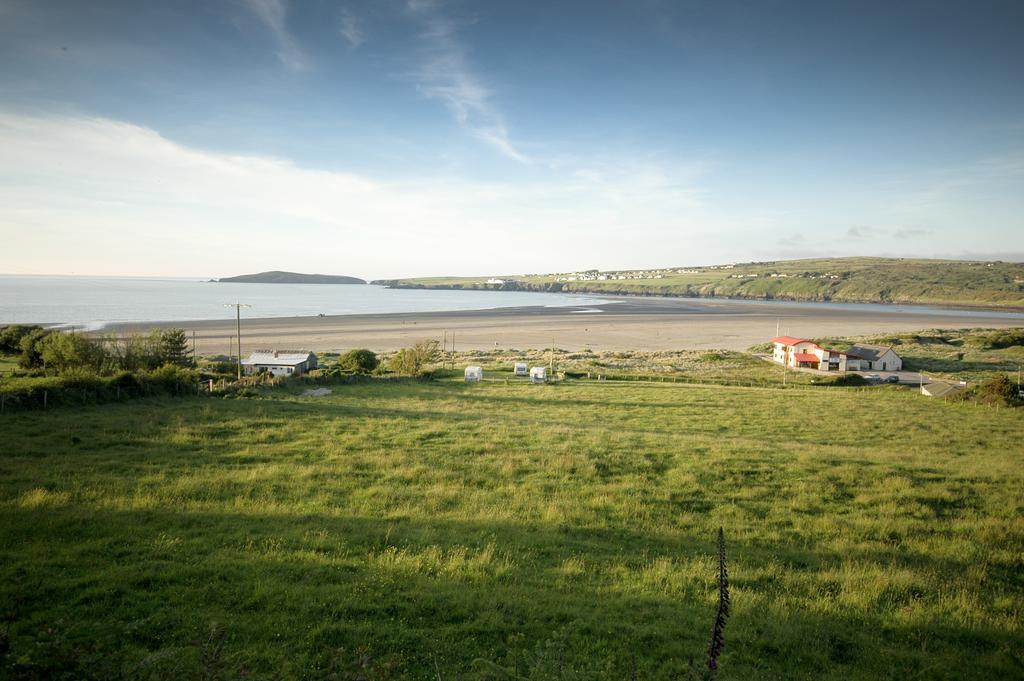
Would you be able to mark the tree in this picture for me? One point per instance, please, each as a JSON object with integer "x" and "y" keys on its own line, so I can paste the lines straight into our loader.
{"x": 135, "y": 353}
{"x": 411, "y": 361}
{"x": 10, "y": 337}
{"x": 358, "y": 361}
{"x": 69, "y": 351}
{"x": 173, "y": 345}
{"x": 31, "y": 352}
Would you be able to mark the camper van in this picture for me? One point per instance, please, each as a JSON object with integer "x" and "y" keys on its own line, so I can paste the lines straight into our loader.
{"x": 474, "y": 374}
{"x": 538, "y": 375}
{"x": 521, "y": 369}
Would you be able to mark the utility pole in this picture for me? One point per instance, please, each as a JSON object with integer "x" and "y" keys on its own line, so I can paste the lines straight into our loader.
{"x": 238, "y": 328}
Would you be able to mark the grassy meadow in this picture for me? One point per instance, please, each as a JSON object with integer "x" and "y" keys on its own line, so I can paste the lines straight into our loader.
{"x": 434, "y": 530}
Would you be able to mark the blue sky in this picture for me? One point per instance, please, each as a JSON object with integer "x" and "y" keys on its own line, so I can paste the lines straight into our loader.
{"x": 440, "y": 137}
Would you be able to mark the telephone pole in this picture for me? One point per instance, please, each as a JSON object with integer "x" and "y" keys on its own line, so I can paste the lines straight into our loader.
{"x": 238, "y": 328}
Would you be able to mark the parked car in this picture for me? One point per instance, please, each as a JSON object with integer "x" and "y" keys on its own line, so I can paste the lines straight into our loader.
{"x": 892, "y": 379}
{"x": 874, "y": 378}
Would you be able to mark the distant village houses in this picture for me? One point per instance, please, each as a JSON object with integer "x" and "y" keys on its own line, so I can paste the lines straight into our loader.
{"x": 279, "y": 363}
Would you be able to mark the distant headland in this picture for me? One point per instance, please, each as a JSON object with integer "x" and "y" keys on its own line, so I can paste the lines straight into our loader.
{"x": 277, "y": 277}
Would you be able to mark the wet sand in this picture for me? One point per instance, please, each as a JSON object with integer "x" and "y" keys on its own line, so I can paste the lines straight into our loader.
{"x": 626, "y": 324}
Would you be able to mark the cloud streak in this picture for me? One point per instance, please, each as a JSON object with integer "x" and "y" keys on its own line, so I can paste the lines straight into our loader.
{"x": 273, "y": 15}
{"x": 350, "y": 29}
{"x": 447, "y": 77}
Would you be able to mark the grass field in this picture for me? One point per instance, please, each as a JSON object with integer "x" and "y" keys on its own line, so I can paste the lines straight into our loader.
{"x": 433, "y": 530}
{"x": 8, "y": 363}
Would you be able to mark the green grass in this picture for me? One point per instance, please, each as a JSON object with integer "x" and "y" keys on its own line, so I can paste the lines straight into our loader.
{"x": 871, "y": 280}
{"x": 871, "y": 534}
{"x": 8, "y": 363}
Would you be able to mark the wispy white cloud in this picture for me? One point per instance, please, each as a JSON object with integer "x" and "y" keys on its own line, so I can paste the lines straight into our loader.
{"x": 447, "y": 76}
{"x": 273, "y": 15}
{"x": 94, "y": 195}
{"x": 896, "y": 232}
{"x": 350, "y": 29}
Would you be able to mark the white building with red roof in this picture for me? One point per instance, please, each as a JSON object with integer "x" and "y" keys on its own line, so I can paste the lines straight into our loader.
{"x": 800, "y": 353}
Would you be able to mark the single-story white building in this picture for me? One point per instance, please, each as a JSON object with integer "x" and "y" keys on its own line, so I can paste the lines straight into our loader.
{"x": 800, "y": 353}
{"x": 474, "y": 374}
{"x": 521, "y": 369}
{"x": 877, "y": 357}
{"x": 538, "y": 375}
{"x": 279, "y": 363}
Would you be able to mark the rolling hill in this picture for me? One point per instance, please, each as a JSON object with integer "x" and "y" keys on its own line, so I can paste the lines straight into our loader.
{"x": 278, "y": 277}
{"x": 851, "y": 280}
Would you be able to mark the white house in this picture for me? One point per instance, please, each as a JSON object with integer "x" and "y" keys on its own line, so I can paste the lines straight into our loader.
{"x": 520, "y": 369}
{"x": 877, "y": 357}
{"x": 279, "y": 363}
{"x": 474, "y": 374}
{"x": 538, "y": 375}
{"x": 800, "y": 353}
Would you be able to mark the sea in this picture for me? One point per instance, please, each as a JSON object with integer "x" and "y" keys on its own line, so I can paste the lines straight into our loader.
{"x": 94, "y": 302}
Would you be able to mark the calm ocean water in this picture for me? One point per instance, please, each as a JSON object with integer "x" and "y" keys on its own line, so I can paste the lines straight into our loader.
{"x": 95, "y": 301}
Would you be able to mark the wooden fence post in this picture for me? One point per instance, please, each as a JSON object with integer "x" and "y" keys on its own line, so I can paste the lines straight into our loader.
{"x": 46, "y": 395}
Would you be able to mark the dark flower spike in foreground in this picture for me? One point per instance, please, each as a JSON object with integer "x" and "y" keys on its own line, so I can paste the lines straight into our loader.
{"x": 718, "y": 631}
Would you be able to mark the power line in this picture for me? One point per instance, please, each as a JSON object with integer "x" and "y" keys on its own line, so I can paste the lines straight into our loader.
{"x": 238, "y": 328}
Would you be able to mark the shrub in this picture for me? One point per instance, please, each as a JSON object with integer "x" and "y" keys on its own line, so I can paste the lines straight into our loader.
{"x": 998, "y": 390}
{"x": 358, "y": 361}
{"x": 412, "y": 361}
{"x": 999, "y": 340}
{"x": 849, "y": 381}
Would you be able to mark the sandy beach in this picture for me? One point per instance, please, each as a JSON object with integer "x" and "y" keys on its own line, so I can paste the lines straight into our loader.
{"x": 624, "y": 324}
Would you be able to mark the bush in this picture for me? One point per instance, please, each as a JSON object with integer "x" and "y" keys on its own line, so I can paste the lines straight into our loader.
{"x": 412, "y": 361}
{"x": 358, "y": 361}
{"x": 998, "y": 390}
{"x": 849, "y": 381}
{"x": 999, "y": 340}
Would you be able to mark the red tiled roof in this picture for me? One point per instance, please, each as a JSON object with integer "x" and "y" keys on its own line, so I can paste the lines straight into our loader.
{"x": 789, "y": 340}
{"x": 805, "y": 357}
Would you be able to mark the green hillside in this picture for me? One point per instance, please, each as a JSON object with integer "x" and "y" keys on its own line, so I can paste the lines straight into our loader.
{"x": 863, "y": 280}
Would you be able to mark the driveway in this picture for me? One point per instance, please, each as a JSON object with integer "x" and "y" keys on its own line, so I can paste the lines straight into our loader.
{"x": 905, "y": 377}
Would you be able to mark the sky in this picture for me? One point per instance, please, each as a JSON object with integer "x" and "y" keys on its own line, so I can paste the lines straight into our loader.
{"x": 402, "y": 138}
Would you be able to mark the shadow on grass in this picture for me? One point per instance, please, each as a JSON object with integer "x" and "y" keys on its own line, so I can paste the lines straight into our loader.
{"x": 289, "y": 592}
